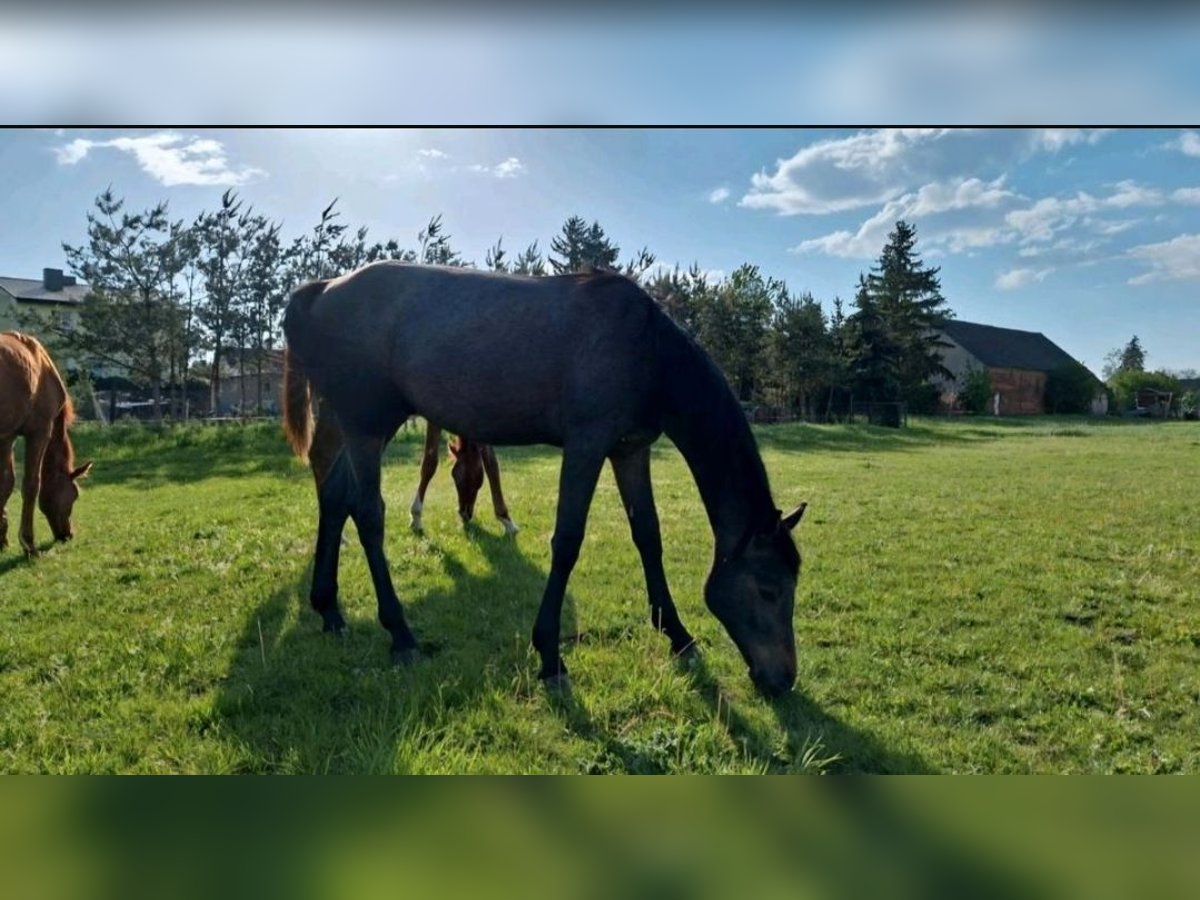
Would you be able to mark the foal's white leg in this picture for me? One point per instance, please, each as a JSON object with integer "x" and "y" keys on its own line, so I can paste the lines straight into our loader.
{"x": 510, "y": 527}
{"x": 415, "y": 512}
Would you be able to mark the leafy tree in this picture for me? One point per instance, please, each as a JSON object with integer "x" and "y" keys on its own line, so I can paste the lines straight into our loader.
{"x": 1133, "y": 357}
{"x": 637, "y": 267}
{"x": 1125, "y": 386}
{"x": 872, "y": 354}
{"x": 799, "y": 351}
{"x": 435, "y": 245}
{"x": 1070, "y": 389}
{"x": 732, "y": 325}
{"x": 682, "y": 295}
{"x": 530, "y": 261}
{"x": 976, "y": 391}
{"x": 129, "y": 317}
{"x": 579, "y": 246}
{"x": 1130, "y": 358}
{"x": 906, "y": 308}
{"x": 266, "y": 292}
{"x": 225, "y": 238}
{"x": 495, "y": 257}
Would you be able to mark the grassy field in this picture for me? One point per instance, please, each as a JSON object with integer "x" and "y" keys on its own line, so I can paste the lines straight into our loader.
{"x": 977, "y": 596}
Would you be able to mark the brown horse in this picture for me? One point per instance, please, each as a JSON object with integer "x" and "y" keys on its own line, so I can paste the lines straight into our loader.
{"x": 35, "y": 405}
{"x": 472, "y": 461}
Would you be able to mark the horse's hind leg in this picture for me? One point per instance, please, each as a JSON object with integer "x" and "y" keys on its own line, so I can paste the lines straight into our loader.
{"x": 7, "y": 480}
{"x": 334, "y": 497}
{"x": 366, "y": 455}
{"x": 35, "y": 449}
{"x": 429, "y": 464}
{"x": 491, "y": 467}
{"x": 632, "y": 471}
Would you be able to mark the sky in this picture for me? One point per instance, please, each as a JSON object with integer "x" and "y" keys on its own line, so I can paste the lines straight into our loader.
{"x": 1087, "y": 235}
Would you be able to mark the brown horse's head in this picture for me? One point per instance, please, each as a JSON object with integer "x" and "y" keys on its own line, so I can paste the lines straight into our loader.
{"x": 58, "y": 495}
{"x": 467, "y": 473}
{"x": 753, "y": 592}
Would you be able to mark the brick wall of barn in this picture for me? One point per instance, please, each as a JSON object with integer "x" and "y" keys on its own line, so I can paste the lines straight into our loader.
{"x": 1022, "y": 391}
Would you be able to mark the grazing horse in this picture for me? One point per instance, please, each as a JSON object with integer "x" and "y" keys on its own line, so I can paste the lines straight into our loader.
{"x": 35, "y": 405}
{"x": 471, "y": 461}
{"x": 586, "y": 362}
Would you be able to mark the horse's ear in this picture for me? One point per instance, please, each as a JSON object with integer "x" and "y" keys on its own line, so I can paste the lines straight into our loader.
{"x": 792, "y": 519}
{"x": 82, "y": 472}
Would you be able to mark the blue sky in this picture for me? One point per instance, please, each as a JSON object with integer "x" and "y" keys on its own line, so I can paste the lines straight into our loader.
{"x": 1088, "y": 235}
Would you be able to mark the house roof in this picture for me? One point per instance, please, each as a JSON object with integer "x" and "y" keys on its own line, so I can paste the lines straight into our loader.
{"x": 32, "y": 290}
{"x": 1007, "y": 348}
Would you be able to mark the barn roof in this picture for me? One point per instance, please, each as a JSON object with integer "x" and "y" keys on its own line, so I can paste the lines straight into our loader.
{"x": 1007, "y": 348}
{"x": 33, "y": 290}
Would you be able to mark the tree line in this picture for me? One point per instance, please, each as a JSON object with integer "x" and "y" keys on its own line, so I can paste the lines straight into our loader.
{"x": 172, "y": 301}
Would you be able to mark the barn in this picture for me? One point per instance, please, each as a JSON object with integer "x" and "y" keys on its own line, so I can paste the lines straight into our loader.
{"x": 1017, "y": 362}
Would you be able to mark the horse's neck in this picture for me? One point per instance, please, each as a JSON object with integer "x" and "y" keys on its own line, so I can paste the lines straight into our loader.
{"x": 60, "y": 454}
{"x": 707, "y": 424}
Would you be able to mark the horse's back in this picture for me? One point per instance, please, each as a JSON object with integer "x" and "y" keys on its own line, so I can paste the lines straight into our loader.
{"x": 502, "y": 359}
{"x": 21, "y": 373}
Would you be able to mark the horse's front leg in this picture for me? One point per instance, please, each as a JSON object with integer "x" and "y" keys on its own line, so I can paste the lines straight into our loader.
{"x": 632, "y": 471}
{"x": 8, "y": 480}
{"x": 491, "y": 467}
{"x": 35, "y": 449}
{"x": 429, "y": 464}
{"x": 366, "y": 456}
{"x": 576, "y": 485}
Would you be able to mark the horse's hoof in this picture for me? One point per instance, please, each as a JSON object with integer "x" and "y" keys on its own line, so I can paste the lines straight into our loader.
{"x": 558, "y": 684}
{"x": 416, "y": 526}
{"x": 405, "y": 656}
{"x": 510, "y": 527}
{"x": 689, "y": 656}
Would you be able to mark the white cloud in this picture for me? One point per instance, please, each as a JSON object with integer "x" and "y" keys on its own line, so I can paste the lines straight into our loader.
{"x": 431, "y": 153}
{"x": 508, "y": 168}
{"x": 931, "y": 200}
{"x": 1050, "y": 216}
{"x": 718, "y": 195}
{"x": 840, "y": 173}
{"x": 1054, "y": 139}
{"x": 1018, "y": 278}
{"x": 1175, "y": 260}
{"x": 1186, "y": 195}
{"x": 1188, "y": 143}
{"x": 168, "y": 157}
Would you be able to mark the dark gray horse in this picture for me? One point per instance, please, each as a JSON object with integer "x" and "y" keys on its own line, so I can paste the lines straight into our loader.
{"x": 585, "y": 362}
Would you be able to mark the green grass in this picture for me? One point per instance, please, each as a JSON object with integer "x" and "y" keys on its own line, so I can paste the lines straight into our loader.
{"x": 977, "y": 596}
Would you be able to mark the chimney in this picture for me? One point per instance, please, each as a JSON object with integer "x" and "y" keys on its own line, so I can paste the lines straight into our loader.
{"x": 52, "y": 279}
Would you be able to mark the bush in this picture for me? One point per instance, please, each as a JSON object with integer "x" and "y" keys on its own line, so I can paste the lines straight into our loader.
{"x": 1189, "y": 405}
{"x": 1125, "y": 386}
{"x": 976, "y": 391}
{"x": 1070, "y": 389}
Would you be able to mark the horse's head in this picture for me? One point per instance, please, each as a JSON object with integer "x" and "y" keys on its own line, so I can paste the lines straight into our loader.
{"x": 57, "y": 498}
{"x": 467, "y": 473}
{"x": 753, "y": 593}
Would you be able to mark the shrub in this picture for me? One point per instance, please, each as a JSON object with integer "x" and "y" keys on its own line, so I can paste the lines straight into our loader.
{"x": 976, "y": 391}
{"x": 1125, "y": 386}
{"x": 1070, "y": 389}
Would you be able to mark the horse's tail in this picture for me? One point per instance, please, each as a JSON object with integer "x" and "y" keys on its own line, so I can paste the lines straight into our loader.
{"x": 297, "y": 391}
{"x": 297, "y": 406}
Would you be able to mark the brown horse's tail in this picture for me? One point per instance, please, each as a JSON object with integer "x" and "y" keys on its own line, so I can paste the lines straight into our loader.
{"x": 297, "y": 406}
{"x": 297, "y": 391}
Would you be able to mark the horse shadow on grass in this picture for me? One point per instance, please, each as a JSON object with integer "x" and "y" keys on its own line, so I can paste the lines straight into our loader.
{"x": 298, "y": 700}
